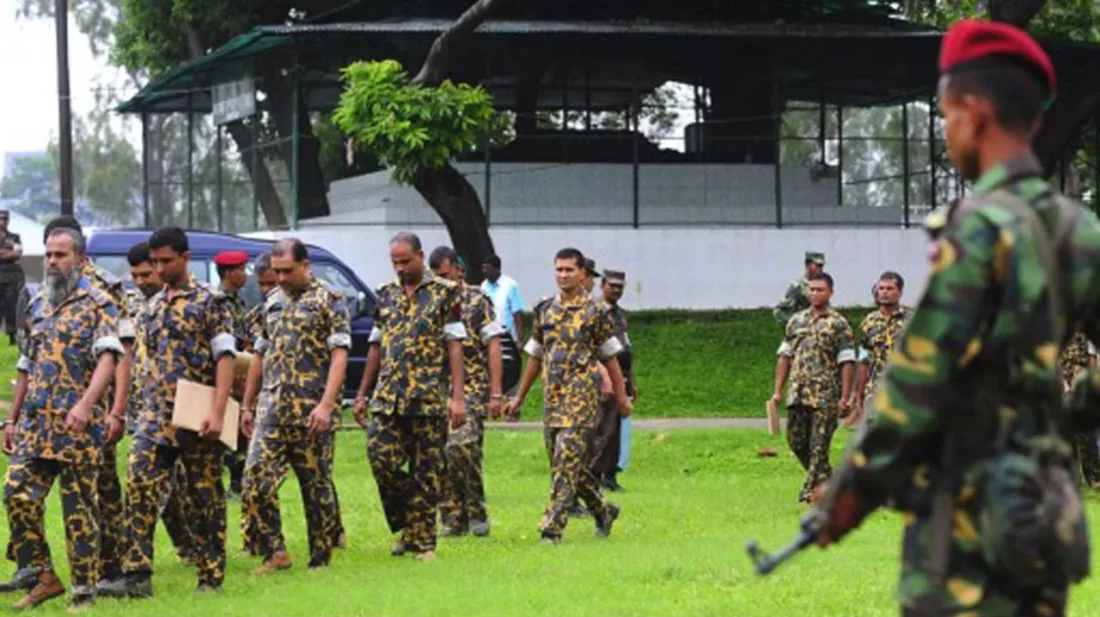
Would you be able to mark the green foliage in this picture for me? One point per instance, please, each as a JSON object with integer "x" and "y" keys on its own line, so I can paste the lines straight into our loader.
{"x": 410, "y": 128}
{"x": 1075, "y": 19}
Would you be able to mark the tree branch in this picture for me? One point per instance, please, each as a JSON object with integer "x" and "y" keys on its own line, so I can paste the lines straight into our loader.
{"x": 444, "y": 47}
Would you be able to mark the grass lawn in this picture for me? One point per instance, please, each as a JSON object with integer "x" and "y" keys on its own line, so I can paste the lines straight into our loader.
{"x": 693, "y": 499}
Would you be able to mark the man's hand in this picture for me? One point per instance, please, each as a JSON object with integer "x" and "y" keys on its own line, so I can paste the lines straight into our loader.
{"x": 77, "y": 418}
{"x": 246, "y": 422}
{"x": 115, "y": 427}
{"x": 211, "y": 425}
{"x": 359, "y": 410}
{"x": 511, "y": 410}
{"x": 606, "y": 389}
{"x": 320, "y": 419}
{"x": 626, "y": 407}
{"x": 9, "y": 437}
{"x": 845, "y": 513}
{"x": 496, "y": 406}
{"x": 457, "y": 412}
{"x": 854, "y": 414}
{"x": 844, "y": 407}
{"x": 776, "y": 398}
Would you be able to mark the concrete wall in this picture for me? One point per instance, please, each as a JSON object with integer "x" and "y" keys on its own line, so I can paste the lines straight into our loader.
{"x": 689, "y": 268}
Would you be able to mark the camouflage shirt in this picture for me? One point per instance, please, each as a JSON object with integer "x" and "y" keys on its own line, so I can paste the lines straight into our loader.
{"x": 298, "y": 336}
{"x": 571, "y": 338}
{"x": 621, "y": 332}
{"x": 879, "y": 332}
{"x": 412, "y": 335}
{"x": 136, "y": 305}
{"x": 239, "y": 310}
{"x": 112, "y": 286}
{"x": 1075, "y": 354}
{"x": 817, "y": 343}
{"x": 185, "y": 332}
{"x": 978, "y": 360}
{"x": 796, "y": 298}
{"x": 63, "y": 349}
{"x": 481, "y": 327}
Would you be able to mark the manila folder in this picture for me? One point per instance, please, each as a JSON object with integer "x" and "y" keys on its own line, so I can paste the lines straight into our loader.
{"x": 194, "y": 400}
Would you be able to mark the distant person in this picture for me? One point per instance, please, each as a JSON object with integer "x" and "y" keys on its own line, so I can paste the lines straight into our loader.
{"x": 11, "y": 275}
{"x": 608, "y": 441}
{"x": 507, "y": 305}
{"x": 879, "y": 331}
{"x": 797, "y": 297}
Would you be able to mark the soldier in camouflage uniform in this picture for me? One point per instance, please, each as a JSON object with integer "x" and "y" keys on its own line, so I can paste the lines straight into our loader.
{"x": 462, "y": 507}
{"x": 606, "y": 449}
{"x": 879, "y": 331}
{"x": 967, "y": 440}
{"x": 797, "y": 296}
{"x": 188, "y": 334}
{"x": 418, "y": 334}
{"x": 231, "y": 267}
{"x": 304, "y": 348}
{"x": 1074, "y": 360}
{"x": 71, "y": 355}
{"x": 571, "y": 336}
{"x": 817, "y": 353}
{"x": 11, "y": 276}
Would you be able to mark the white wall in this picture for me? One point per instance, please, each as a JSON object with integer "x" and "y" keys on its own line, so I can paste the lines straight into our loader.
{"x": 690, "y": 268}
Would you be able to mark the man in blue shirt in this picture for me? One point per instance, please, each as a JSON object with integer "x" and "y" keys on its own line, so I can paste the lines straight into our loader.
{"x": 507, "y": 305}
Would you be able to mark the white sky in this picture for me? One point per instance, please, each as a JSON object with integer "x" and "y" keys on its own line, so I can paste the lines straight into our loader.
{"x": 28, "y": 71}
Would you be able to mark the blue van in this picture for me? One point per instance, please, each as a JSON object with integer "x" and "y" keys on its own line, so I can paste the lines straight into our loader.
{"x": 108, "y": 248}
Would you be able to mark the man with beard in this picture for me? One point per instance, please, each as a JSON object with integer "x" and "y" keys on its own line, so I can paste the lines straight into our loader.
{"x": 572, "y": 335}
{"x": 417, "y": 336}
{"x": 303, "y": 349}
{"x": 879, "y": 331}
{"x": 11, "y": 276}
{"x": 462, "y": 506}
{"x": 71, "y": 355}
{"x": 817, "y": 353}
{"x": 188, "y": 334}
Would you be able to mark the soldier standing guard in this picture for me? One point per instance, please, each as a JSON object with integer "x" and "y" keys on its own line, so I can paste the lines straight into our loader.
{"x": 571, "y": 335}
{"x": 304, "y": 347}
{"x": 462, "y": 504}
{"x": 188, "y": 335}
{"x": 11, "y": 276}
{"x": 71, "y": 355}
{"x": 797, "y": 296}
{"x": 418, "y": 333}
{"x": 818, "y": 345}
{"x": 967, "y": 439}
{"x": 1074, "y": 360}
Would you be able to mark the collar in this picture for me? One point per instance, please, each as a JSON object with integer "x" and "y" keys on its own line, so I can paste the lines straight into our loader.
{"x": 189, "y": 286}
{"x": 426, "y": 278}
{"x": 1009, "y": 171}
{"x": 578, "y": 300}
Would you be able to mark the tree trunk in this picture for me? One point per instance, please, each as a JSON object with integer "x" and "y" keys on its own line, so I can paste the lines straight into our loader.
{"x": 1062, "y": 125}
{"x": 457, "y": 203}
{"x": 270, "y": 203}
{"x": 312, "y": 196}
{"x": 445, "y": 189}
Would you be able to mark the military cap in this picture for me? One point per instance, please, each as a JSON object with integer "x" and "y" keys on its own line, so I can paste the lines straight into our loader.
{"x": 590, "y": 266}
{"x": 973, "y": 43}
{"x": 614, "y": 277}
{"x": 815, "y": 258}
{"x": 231, "y": 259}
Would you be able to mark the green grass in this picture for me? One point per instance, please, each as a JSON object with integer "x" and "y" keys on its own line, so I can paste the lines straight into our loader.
{"x": 693, "y": 499}
{"x": 701, "y": 364}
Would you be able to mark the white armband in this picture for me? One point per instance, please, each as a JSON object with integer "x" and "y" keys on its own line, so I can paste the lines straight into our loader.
{"x": 784, "y": 350}
{"x": 610, "y": 348}
{"x": 107, "y": 343}
{"x": 126, "y": 329}
{"x": 491, "y": 331}
{"x": 23, "y": 365}
{"x": 223, "y": 344}
{"x": 454, "y": 331}
{"x": 375, "y": 336}
{"x": 339, "y": 339}
{"x": 845, "y": 356}
{"x": 533, "y": 348}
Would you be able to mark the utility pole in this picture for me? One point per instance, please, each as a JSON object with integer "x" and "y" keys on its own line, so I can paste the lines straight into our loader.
{"x": 65, "y": 127}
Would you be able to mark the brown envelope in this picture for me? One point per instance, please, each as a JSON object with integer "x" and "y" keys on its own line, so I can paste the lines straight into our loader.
{"x": 773, "y": 417}
{"x": 194, "y": 400}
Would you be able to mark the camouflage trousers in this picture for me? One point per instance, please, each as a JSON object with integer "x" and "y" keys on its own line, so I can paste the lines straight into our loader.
{"x": 1088, "y": 455}
{"x": 409, "y": 498}
{"x": 174, "y": 513}
{"x": 606, "y": 441}
{"x": 463, "y": 489}
{"x": 26, "y": 486}
{"x": 273, "y": 448}
{"x": 810, "y": 435}
{"x": 571, "y": 478}
{"x": 149, "y": 480}
{"x": 112, "y": 526}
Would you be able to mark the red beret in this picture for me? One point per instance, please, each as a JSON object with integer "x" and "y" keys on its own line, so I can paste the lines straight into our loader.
{"x": 231, "y": 259}
{"x": 972, "y": 39}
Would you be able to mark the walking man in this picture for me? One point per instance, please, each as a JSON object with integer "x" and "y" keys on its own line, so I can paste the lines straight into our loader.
{"x": 417, "y": 336}
{"x": 879, "y": 332}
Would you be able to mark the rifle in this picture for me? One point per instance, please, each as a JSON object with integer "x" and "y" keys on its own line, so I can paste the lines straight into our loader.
{"x": 809, "y": 526}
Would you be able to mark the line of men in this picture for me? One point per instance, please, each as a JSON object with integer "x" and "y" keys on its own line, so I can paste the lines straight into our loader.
{"x": 86, "y": 336}
{"x": 832, "y": 376}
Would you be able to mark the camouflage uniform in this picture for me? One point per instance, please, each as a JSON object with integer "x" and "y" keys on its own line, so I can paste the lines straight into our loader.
{"x": 818, "y": 344}
{"x": 409, "y": 407}
{"x": 463, "y": 490}
{"x": 185, "y": 332}
{"x": 797, "y": 296}
{"x": 606, "y": 445}
{"x": 253, "y": 324}
{"x": 62, "y": 352}
{"x": 1073, "y": 361}
{"x": 971, "y": 389}
{"x": 11, "y": 284}
{"x": 299, "y": 335}
{"x": 234, "y": 459}
{"x": 878, "y": 334}
{"x": 570, "y": 338}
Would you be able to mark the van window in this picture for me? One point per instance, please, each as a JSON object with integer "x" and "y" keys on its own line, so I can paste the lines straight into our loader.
{"x": 334, "y": 276}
